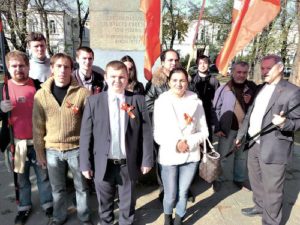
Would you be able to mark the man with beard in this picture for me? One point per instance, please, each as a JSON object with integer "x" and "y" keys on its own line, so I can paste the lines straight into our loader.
{"x": 231, "y": 102}
{"x": 39, "y": 62}
{"x": 21, "y": 94}
{"x": 269, "y": 155}
{"x": 205, "y": 85}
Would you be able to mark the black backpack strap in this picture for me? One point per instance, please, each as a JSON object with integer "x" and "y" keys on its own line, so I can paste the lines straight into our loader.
{"x": 1, "y": 98}
{"x": 37, "y": 84}
{"x": 4, "y": 132}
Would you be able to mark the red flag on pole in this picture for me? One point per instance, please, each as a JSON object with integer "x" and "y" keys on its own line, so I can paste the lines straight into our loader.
{"x": 151, "y": 9}
{"x": 249, "y": 18}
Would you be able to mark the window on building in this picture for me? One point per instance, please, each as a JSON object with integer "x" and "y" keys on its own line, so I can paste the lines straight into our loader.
{"x": 32, "y": 25}
{"x": 203, "y": 34}
{"x": 52, "y": 27}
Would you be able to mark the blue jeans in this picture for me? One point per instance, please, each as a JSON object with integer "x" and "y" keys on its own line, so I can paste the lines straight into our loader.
{"x": 176, "y": 181}
{"x": 235, "y": 166}
{"x": 42, "y": 183}
{"x": 57, "y": 163}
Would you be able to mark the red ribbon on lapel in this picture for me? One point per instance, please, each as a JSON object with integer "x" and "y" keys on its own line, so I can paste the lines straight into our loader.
{"x": 74, "y": 108}
{"x": 128, "y": 108}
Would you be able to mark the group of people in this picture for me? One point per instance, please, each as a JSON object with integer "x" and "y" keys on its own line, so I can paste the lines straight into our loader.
{"x": 110, "y": 129}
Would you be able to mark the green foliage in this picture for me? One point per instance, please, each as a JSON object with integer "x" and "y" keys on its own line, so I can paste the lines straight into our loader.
{"x": 184, "y": 61}
{"x": 175, "y": 24}
{"x": 219, "y": 12}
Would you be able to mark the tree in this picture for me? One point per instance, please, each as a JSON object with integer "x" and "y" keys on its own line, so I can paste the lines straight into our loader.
{"x": 15, "y": 13}
{"x": 219, "y": 18}
{"x": 82, "y": 11}
{"x": 285, "y": 24}
{"x": 295, "y": 77}
{"x": 40, "y": 6}
{"x": 81, "y": 19}
{"x": 175, "y": 24}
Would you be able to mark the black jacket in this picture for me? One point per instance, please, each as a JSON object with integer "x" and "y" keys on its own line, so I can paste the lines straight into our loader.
{"x": 205, "y": 88}
{"x": 98, "y": 83}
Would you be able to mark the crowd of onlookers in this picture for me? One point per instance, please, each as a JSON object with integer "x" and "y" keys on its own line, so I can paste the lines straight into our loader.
{"x": 109, "y": 129}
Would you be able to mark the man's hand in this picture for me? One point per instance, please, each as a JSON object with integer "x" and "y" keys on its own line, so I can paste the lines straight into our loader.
{"x": 88, "y": 174}
{"x": 42, "y": 163}
{"x": 247, "y": 98}
{"x": 145, "y": 169}
{"x": 182, "y": 146}
{"x": 6, "y": 106}
{"x": 220, "y": 134}
{"x": 278, "y": 120}
{"x": 238, "y": 143}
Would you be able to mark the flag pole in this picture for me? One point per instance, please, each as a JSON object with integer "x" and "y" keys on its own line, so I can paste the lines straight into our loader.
{"x": 11, "y": 134}
{"x": 246, "y": 141}
{"x": 195, "y": 35}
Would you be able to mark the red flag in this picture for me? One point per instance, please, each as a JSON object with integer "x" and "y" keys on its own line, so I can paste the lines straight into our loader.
{"x": 151, "y": 9}
{"x": 248, "y": 20}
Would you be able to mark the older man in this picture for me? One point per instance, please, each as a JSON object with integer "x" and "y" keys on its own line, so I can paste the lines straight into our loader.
{"x": 268, "y": 157}
{"x": 57, "y": 113}
{"x": 231, "y": 102}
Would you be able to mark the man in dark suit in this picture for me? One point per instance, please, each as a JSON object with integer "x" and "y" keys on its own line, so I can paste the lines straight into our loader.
{"x": 268, "y": 157}
{"x": 116, "y": 144}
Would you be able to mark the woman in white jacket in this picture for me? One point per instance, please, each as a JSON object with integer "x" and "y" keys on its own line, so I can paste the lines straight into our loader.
{"x": 179, "y": 128}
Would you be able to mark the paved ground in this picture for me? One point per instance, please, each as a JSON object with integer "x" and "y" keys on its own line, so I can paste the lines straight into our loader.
{"x": 222, "y": 208}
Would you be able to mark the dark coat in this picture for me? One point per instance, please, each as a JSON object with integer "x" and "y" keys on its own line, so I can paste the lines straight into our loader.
{"x": 95, "y": 136}
{"x": 98, "y": 83}
{"x": 139, "y": 88}
{"x": 205, "y": 88}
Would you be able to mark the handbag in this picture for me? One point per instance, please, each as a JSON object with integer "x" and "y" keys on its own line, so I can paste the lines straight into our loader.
{"x": 210, "y": 165}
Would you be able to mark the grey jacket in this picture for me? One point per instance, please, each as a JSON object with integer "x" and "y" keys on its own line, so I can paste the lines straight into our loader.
{"x": 276, "y": 143}
{"x": 223, "y": 106}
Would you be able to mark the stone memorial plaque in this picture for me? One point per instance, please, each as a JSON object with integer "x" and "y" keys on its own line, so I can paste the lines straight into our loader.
{"x": 117, "y": 30}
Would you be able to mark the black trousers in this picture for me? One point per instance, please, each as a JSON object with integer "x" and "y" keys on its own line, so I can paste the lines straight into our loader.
{"x": 116, "y": 178}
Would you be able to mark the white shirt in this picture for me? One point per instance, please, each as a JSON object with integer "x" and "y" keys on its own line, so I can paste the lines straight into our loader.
{"x": 260, "y": 107}
{"x": 86, "y": 83}
{"x": 121, "y": 97}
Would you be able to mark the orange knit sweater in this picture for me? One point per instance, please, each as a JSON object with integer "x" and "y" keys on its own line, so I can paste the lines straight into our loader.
{"x": 54, "y": 126}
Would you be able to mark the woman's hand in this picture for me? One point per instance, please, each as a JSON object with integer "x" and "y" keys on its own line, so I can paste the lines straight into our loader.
{"x": 182, "y": 146}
